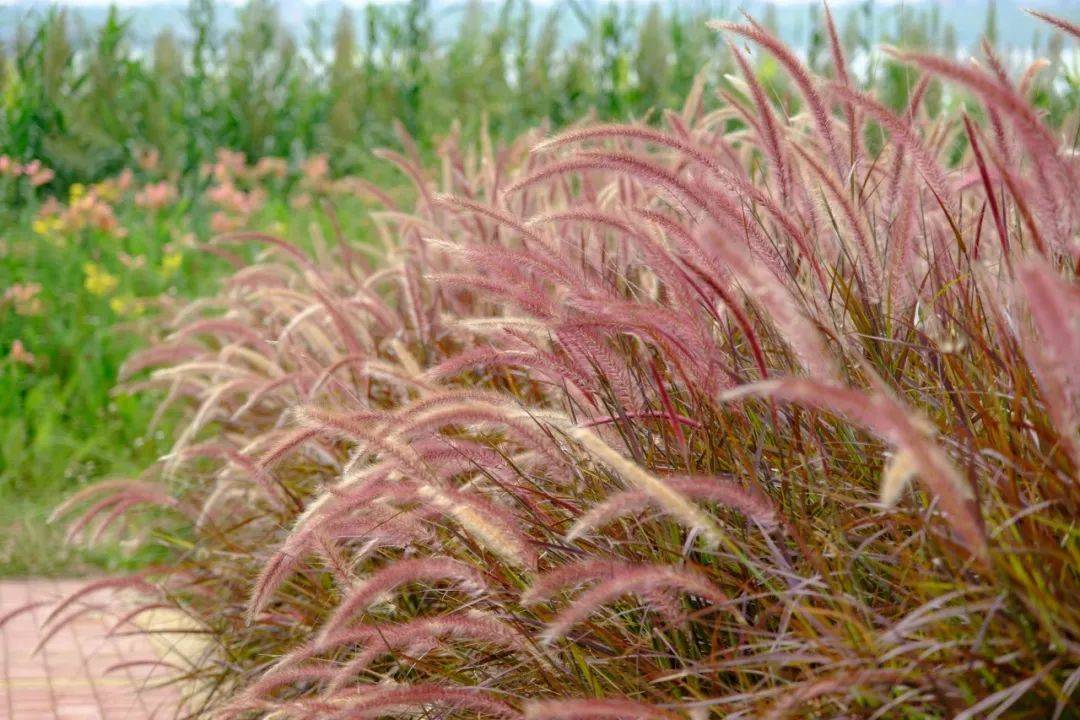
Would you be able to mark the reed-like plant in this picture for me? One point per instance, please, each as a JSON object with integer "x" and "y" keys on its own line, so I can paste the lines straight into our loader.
{"x": 735, "y": 417}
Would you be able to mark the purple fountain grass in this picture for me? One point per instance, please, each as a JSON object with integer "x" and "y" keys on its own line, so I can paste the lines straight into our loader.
{"x": 749, "y": 413}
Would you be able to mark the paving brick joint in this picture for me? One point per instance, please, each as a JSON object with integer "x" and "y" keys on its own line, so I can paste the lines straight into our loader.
{"x": 70, "y": 677}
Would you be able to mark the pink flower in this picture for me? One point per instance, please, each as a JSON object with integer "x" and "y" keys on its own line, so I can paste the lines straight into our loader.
{"x": 37, "y": 173}
{"x": 24, "y": 297}
{"x": 20, "y": 354}
{"x": 41, "y": 177}
{"x": 316, "y": 168}
{"x": 156, "y": 195}
{"x": 271, "y": 166}
{"x": 222, "y": 223}
{"x": 124, "y": 180}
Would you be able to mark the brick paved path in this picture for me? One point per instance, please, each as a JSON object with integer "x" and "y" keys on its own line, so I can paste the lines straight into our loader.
{"x": 67, "y": 679}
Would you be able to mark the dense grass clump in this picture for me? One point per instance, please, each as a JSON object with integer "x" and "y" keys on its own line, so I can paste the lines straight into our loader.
{"x": 732, "y": 417}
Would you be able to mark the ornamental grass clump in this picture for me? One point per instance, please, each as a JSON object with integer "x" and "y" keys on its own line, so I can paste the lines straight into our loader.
{"x": 741, "y": 415}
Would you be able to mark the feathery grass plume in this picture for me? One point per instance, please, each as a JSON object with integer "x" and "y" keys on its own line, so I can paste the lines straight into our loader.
{"x": 700, "y": 489}
{"x": 1056, "y": 176}
{"x": 902, "y": 134}
{"x": 421, "y": 636}
{"x": 770, "y": 135}
{"x": 494, "y": 527}
{"x": 836, "y": 48}
{"x": 798, "y": 329}
{"x": 382, "y": 700}
{"x": 1058, "y": 22}
{"x": 596, "y": 709}
{"x": 385, "y": 580}
{"x": 664, "y": 495}
{"x": 801, "y": 76}
{"x": 1054, "y": 306}
{"x": 612, "y": 581}
{"x": 887, "y": 418}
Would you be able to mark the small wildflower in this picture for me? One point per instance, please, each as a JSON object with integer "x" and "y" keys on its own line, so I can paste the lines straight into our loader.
{"x": 222, "y": 223}
{"x": 127, "y": 305}
{"x": 156, "y": 196}
{"x": 170, "y": 263}
{"x": 316, "y": 168}
{"x": 132, "y": 262}
{"x": 99, "y": 281}
{"x": 271, "y": 167}
{"x": 24, "y": 297}
{"x": 76, "y": 191}
{"x": 37, "y": 173}
{"x": 124, "y": 180}
{"x": 20, "y": 354}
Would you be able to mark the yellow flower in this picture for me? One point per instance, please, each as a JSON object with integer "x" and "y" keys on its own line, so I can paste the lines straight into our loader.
{"x": 99, "y": 281}
{"x": 76, "y": 191}
{"x": 170, "y": 263}
{"x": 40, "y": 226}
{"x": 125, "y": 305}
{"x": 107, "y": 191}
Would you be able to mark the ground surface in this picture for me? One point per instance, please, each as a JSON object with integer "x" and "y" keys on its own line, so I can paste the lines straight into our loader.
{"x": 70, "y": 678}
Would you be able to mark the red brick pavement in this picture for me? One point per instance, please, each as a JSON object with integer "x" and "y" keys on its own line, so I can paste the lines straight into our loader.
{"x": 67, "y": 678}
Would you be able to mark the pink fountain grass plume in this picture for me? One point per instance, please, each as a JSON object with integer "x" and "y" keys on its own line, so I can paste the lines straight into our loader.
{"x": 1060, "y": 23}
{"x": 643, "y": 170}
{"x": 494, "y": 527}
{"x": 256, "y": 694}
{"x": 887, "y": 418}
{"x": 163, "y": 354}
{"x": 500, "y": 216}
{"x": 782, "y": 308}
{"x": 1054, "y": 306}
{"x": 836, "y": 48}
{"x": 642, "y": 133}
{"x": 869, "y": 257}
{"x": 734, "y": 184}
{"x": 423, "y": 635}
{"x": 596, "y": 709}
{"x": 326, "y": 513}
{"x": 802, "y": 78}
{"x": 770, "y": 134}
{"x": 1056, "y": 176}
{"x": 902, "y": 135}
{"x": 530, "y": 297}
{"x": 612, "y": 580}
{"x": 991, "y": 196}
{"x": 516, "y": 263}
{"x": 402, "y": 572}
{"x": 700, "y": 489}
{"x": 380, "y": 700}
{"x": 1020, "y": 190}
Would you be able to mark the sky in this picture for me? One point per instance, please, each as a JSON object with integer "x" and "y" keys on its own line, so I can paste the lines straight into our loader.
{"x": 132, "y": 3}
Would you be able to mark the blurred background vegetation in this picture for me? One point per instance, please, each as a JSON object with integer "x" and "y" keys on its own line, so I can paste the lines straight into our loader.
{"x": 86, "y": 92}
{"x": 126, "y": 112}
